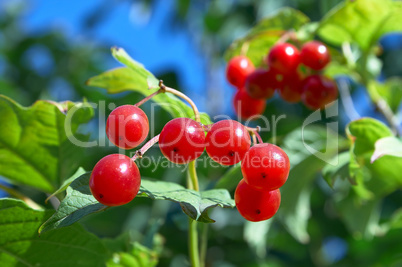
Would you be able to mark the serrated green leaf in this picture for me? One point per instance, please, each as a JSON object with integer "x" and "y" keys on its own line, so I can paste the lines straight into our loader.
{"x": 134, "y": 77}
{"x": 35, "y": 149}
{"x": 194, "y": 204}
{"x": 378, "y": 178}
{"x": 67, "y": 182}
{"x": 125, "y": 79}
{"x": 264, "y": 35}
{"x": 77, "y": 204}
{"x": 362, "y": 22}
{"x": 21, "y": 245}
{"x": 387, "y": 146}
{"x": 79, "y": 201}
{"x": 143, "y": 76}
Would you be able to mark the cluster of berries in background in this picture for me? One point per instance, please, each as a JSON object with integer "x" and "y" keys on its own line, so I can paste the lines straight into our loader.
{"x": 115, "y": 179}
{"x": 295, "y": 75}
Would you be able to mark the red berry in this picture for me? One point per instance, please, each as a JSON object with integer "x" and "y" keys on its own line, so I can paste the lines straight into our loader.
{"x": 227, "y": 142}
{"x": 315, "y": 55}
{"x": 265, "y": 167}
{"x": 127, "y": 126}
{"x": 256, "y": 205}
{"x": 238, "y": 69}
{"x": 182, "y": 140}
{"x": 284, "y": 57}
{"x": 291, "y": 89}
{"x": 247, "y": 107}
{"x": 261, "y": 84}
{"x": 318, "y": 91}
{"x": 115, "y": 180}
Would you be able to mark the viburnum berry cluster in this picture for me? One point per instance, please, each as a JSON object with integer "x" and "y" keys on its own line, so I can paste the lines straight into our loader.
{"x": 295, "y": 74}
{"x": 115, "y": 179}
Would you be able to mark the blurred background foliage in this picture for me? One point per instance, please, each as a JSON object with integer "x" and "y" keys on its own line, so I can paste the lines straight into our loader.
{"x": 48, "y": 49}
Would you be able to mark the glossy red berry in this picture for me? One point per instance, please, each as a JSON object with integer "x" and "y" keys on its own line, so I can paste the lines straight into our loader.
{"x": 261, "y": 84}
{"x": 238, "y": 69}
{"x": 291, "y": 88}
{"x": 318, "y": 91}
{"x": 127, "y": 126}
{"x": 227, "y": 142}
{"x": 284, "y": 57}
{"x": 265, "y": 167}
{"x": 315, "y": 55}
{"x": 247, "y": 107}
{"x": 255, "y": 205}
{"x": 182, "y": 140}
{"x": 115, "y": 180}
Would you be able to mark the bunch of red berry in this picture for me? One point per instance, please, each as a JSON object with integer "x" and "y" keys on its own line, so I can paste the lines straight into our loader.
{"x": 294, "y": 74}
{"x": 115, "y": 179}
{"x": 265, "y": 169}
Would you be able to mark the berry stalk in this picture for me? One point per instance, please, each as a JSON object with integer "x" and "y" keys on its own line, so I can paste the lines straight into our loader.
{"x": 148, "y": 145}
{"x": 183, "y": 96}
{"x": 149, "y": 97}
{"x": 255, "y": 132}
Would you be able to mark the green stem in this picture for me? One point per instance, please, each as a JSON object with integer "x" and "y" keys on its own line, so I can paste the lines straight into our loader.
{"x": 193, "y": 243}
{"x": 192, "y": 227}
{"x": 204, "y": 244}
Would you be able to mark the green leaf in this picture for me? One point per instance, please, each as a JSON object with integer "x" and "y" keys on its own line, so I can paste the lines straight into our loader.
{"x": 393, "y": 22}
{"x": 77, "y": 204}
{"x": 264, "y": 35}
{"x": 194, "y": 204}
{"x": 390, "y": 91}
{"x": 67, "y": 182}
{"x": 143, "y": 76}
{"x": 362, "y": 22}
{"x": 79, "y": 201}
{"x": 377, "y": 178}
{"x": 35, "y": 149}
{"x": 134, "y": 77}
{"x": 126, "y": 79}
{"x": 20, "y": 244}
{"x": 387, "y": 146}
{"x": 364, "y": 133}
{"x": 335, "y": 69}
{"x": 294, "y": 211}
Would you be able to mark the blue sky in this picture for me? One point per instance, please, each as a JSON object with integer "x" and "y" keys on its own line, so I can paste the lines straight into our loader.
{"x": 143, "y": 34}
